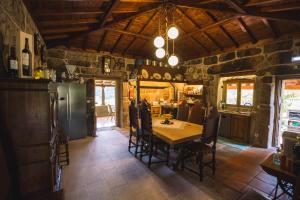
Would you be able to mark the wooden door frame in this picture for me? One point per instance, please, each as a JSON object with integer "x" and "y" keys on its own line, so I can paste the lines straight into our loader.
{"x": 277, "y": 103}
{"x": 118, "y": 96}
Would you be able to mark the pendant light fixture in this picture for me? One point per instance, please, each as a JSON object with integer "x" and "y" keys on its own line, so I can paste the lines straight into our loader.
{"x": 166, "y": 31}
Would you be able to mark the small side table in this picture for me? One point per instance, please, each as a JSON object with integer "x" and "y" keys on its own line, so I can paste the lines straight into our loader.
{"x": 286, "y": 180}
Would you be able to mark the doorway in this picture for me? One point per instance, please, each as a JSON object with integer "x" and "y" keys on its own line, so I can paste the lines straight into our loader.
{"x": 105, "y": 103}
{"x": 289, "y": 107}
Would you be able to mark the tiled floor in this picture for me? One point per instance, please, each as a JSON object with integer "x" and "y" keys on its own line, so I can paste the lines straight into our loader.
{"x": 104, "y": 122}
{"x": 102, "y": 168}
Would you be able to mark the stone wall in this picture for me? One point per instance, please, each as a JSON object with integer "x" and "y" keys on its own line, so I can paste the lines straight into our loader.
{"x": 90, "y": 65}
{"x": 266, "y": 61}
{"x": 14, "y": 17}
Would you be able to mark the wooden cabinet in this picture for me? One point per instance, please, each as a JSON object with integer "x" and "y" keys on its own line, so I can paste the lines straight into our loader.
{"x": 28, "y": 119}
{"x": 239, "y": 128}
{"x": 235, "y": 126}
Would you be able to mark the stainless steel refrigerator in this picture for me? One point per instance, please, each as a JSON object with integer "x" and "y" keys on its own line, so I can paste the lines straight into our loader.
{"x": 72, "y": 110}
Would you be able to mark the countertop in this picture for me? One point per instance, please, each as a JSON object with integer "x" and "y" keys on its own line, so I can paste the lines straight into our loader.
{"x": 243, "y": 113}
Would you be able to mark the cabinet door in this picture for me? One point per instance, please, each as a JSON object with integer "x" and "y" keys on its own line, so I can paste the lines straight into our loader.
{"x": 224, "y": 130}
{"x": 240, "y": 128}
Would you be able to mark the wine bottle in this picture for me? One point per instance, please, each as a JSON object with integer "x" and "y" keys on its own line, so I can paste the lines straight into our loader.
{"x": 13, "y": 63}
{"x": 26, "y": 59}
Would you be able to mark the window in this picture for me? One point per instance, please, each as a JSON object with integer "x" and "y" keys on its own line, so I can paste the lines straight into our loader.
{"x": 98, "y": 95}
{"x": 232, "y": 92}
{"x": 238, "y": 93}
{"x": 247, "y": 94}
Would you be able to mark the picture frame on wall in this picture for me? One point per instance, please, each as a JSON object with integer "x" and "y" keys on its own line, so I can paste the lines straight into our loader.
{"x": 19, "y": 47}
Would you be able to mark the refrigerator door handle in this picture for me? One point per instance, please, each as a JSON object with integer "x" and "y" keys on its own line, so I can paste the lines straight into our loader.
{"x": 67, "y": 107}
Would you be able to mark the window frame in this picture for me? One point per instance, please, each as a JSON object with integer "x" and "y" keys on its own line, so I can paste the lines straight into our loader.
{"x": 239, "y": 91}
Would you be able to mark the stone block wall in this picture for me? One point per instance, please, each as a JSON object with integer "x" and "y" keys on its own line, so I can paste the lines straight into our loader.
{"x": 266, "y": 61}
{"x": 87, "y": 62}
{"x": 14, "y": 17}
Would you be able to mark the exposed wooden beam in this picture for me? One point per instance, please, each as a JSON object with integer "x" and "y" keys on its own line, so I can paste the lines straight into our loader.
{"x": 235, "y": 6}
{"x": 196, "y": 41}
{"x": 121, "y": 36}
{"x": 218, "y": 23}
{"x": 271, "y": 27}
{"x": 108, "y": 12}
{"x": 282, "y": 7}
{"x": 142, "y": 11}
{"x": 199, "y": 28}
{"x": 236, "y": 44}
{"x": 67, "y": 22}
{"x": 59, "y": 31}
{"x": 128, "y": 33}
{"x": 141, "y": 31}
{"x": 251, "y": 13}
{"x": 101, "y": 41}
{"x": 246, "y": 29}
{"x": 265, "y": 3}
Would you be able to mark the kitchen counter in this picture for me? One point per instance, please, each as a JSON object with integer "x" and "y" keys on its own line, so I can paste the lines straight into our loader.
{"x": 243, "y": 113}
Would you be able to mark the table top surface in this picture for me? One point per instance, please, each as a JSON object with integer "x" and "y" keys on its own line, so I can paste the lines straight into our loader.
{"x": 275, "y": 170}
{"x": 178, "y": 132}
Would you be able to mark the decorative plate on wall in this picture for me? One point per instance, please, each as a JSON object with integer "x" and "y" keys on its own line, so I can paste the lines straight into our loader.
{"x": 190, "y": 69}
{"x": 145, "y": 74}
{"x": 195, "y": 76}
{"x": 167, "y": 76}
{"x": 157, "y": 76}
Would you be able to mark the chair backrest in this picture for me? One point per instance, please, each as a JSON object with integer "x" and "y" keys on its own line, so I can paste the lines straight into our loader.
{"x": 183, "y": 111}
{"x": 197, "y": 114}
{"x": 133, "y": 116}
{"x": 109, "y": 109}
{"x": 146, "y": 119}
{"x": 211, "y": 127}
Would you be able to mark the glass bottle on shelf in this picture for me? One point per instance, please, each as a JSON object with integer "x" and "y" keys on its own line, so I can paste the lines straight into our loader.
{"x": 13, "y": 62}
{"x": 26, "y": 59}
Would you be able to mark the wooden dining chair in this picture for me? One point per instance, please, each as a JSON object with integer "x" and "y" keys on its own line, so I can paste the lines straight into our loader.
{"x": 183, "y": 111}
{"x": 197, "y": 114}
{"x": 150, "y": 144}
{"x": 134, "y": 129}
{"x": 206, "y": 146}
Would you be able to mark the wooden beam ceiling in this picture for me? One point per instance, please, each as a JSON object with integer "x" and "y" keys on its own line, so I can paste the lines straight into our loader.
{"x": 199, "y": 28}
{"x": 141, "y": 31}
{"x": 96, "y": 20}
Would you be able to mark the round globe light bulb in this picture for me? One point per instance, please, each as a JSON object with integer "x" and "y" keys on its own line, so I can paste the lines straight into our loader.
{"x": 173, "y": 32}
{"x": 159, "y": 42}
{"x": 160, "y": 53}
{"x": 173, "y": 60}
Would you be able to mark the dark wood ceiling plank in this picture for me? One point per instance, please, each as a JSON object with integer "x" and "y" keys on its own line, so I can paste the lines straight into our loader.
{"x": 282, "y": 7}
{"x": 235, "y": 6}
{"x": 250, "y": 13}
{"x": 265, "y": 3}
{"x": 129, "y": 33}
{"x": 101, "y": 41}
{"x": 199, "y": 28}
{"x": 67, "y": 22}
{"x": 246, "y": 29}
{"x": 142, "y": 11}
{"x": 211, "y": 16}
{"x": 108, "y": 12}
{"x": 272, "y": 28}
{"x": 141, "y": 31}
{"x": 121, "y": 36}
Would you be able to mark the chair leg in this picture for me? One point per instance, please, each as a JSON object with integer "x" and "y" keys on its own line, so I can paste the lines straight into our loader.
{"x": 142, "y": 149}
{"x": 201, "y": 166}
{"x": 168, "y": 154}
{"x": 214, "y": 162}
{"x": 129, "y": 142}
{"x": 150, "y": 155}
{"x": 136, "y": 146}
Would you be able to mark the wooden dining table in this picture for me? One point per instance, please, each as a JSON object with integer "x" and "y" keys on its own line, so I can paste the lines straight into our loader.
{"x": 177, "y": 132}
